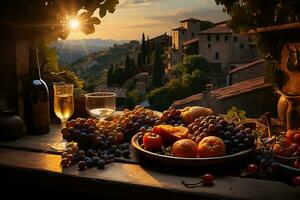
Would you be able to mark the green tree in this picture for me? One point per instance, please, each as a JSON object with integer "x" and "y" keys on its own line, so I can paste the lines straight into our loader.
{"x": 118, "y": 76}
{"x": 193, "y": 62}
{"x": 110, "y": 76}
{"x": 52, "y": 72}
{"x": 143, "y": 49}
{"x": 49, "y": 19}
{"x": 205, "y": 24}
{"x": 139, "y": 64}
{"x": 127, "y": 71}
{"x": 158, "y": 68}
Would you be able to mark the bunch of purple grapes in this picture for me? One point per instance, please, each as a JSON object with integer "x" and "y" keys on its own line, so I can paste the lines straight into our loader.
{"x": 236, "y": 137}
{"x": 171, "y": 116}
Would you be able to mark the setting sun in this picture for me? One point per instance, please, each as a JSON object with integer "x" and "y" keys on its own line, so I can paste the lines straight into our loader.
{"x": 74, "y": 24}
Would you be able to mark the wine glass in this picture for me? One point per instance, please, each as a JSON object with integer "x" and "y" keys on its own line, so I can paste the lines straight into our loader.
{"x": 100, "y": 105}
{"x": 63, "y": 108}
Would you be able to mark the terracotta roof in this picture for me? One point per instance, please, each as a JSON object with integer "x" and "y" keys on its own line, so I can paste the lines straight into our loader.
{"x": 189, "y": 99}
{"x": 240, "y": 88}
{"x": 190, "y": 19}
{"x": 279, "y": 27}
{"x": 162, "y": 35}
{"x": 179, "y": 28}
{"x": 191, "y": 41}
{"x": 227, "y": 92}
{"x": 222, "y": 28}
{"x": 247, "y": 65}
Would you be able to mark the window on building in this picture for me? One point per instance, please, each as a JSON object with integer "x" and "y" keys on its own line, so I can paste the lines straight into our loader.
{"x": 209, "y": 46}
{"x": 217, "y": 56}
{"x": 208, "y": 38}
{"x": 193, "y": 34}
{"x": 241, "y": 45}
{"x": 217, "y": 37}
{"x": 226, "y": 37}
{"x": 235, "y": 38}
{"x": 182, "y": 32}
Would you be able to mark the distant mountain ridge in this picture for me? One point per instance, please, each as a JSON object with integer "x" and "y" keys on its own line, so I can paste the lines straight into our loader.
{"x": 71, "y": 50}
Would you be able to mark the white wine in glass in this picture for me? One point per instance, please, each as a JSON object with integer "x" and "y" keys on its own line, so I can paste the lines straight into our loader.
{"x": 100, "y": 105}
{"x": 63, "y": 108}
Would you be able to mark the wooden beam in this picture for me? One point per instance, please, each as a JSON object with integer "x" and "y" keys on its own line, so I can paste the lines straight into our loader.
{"x": 133, "y": 181}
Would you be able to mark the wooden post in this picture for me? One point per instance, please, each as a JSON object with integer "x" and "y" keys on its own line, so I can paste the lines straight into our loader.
{"x": 13, "y": 66}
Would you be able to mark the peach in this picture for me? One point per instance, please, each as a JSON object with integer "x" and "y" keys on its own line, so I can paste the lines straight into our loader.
{"x": 211, "y": 146}
{"x": 185, "y": 148}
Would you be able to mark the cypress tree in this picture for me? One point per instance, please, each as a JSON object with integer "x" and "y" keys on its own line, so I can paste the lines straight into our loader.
{"x": 143, "y": 49}
{"x": 139, "y": 64}
{"x": 110, "y": 76}
{"x": 157, "y": 69}
{"x": 127, "y": 71}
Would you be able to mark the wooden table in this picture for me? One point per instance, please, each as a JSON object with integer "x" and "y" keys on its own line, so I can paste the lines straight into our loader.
{"x": 29, "y": 160}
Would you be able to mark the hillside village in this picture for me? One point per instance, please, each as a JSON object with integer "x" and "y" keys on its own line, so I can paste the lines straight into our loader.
{"x": 150, "y": 73}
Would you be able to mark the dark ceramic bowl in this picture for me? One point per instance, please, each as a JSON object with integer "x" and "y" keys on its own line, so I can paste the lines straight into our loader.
{"x": 185, "y": 162}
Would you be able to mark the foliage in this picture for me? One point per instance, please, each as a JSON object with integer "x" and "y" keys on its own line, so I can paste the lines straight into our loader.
{"x": 130, "y": 84}
{"x": 143, "y": 50}
{"x": 253, "y": 14}
{"x": 96, "y": 74}
{"x": 118, "y": 76}
{"x": 195, "y": 82}
{"x": 158, "y": 68}
{"x": 205, "y": 24}
{"x": 52, "y": 72}
{"x": 162, "y": 97}
{"x": 235, "y": 115}
{"x": 133, "y": 98}
{"x": 129, "y": 68}
{"x": 177, "y": 88}
{"x": 48, "y": 18}
{"x": 193, "y": 62}
{"x": 110, "y": 76}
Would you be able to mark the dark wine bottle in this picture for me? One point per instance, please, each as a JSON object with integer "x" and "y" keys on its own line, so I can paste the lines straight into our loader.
{"x": 36, "y": 98}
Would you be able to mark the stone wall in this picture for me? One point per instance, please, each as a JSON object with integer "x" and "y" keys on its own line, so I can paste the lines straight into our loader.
{"x": 248, "y": 73}
{"x": 209, "y": 48}
{"x": 254, "y": 103}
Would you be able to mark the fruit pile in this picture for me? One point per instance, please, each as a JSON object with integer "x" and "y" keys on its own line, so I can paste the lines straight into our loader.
{"x": 131, "y": 122}
{"x": 289, "y": 146}
{"x": 208, "y": 136}
{"x": 97, "y": 143}
{"x": 236, "y": 137}
{"x": 171, "y": 116}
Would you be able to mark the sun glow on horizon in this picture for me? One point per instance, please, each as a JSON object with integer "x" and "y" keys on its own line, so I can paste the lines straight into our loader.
{"x": 74, "y": 24}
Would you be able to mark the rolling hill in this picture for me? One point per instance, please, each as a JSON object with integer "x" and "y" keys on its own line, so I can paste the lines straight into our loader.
{"x": 71, "y": 50}
{"x": 92, "y": 67}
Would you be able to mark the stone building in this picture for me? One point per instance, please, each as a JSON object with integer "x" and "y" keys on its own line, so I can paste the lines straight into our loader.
{"x": 188, "y": 30}
{"x": 243, "y": 72}
{"x": 163, "y": 40}
{"x": 247, "y": 90}
{"x": 222, "y": 47}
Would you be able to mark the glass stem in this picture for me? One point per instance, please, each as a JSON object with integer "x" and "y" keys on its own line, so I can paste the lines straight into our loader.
{"x": 63, "y": 123}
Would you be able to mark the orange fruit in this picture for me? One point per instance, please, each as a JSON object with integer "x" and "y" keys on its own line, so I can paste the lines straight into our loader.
{"x": 211, "y": 146}
{"x": 185, "y": 148}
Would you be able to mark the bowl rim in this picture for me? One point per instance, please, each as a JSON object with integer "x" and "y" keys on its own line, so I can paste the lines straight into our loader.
{"x": 134, "y": 143}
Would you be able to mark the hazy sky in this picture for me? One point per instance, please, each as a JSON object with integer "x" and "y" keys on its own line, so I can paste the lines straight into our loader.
{"x": 153, "y": 17}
